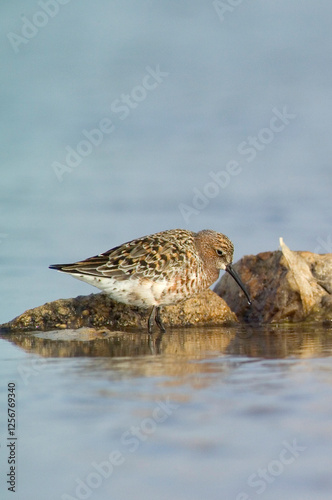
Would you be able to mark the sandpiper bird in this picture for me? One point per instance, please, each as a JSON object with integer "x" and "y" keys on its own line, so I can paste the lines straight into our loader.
{"x": 158, "y": 270}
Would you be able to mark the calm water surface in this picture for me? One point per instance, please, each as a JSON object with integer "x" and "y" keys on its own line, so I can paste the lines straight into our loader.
{"x": 224, "y": 413}
{"x": 220, "y": 414}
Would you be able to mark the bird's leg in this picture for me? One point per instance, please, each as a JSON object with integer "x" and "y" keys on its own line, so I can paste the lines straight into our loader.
{"x": 151, "y": 318}
{"x": 158, "y": 320}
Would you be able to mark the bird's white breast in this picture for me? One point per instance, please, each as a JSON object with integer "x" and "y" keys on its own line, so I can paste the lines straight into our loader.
{"x": 135, "y": 292}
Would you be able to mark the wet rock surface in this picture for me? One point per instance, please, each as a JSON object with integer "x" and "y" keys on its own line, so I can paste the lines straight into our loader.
{"x": 98, "y": 311}
{"x": 284, "y": 285}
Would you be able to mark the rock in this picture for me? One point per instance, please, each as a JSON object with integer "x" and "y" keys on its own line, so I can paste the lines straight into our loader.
{"x": 284, "y": 286}
{"x": 98, "y": 311}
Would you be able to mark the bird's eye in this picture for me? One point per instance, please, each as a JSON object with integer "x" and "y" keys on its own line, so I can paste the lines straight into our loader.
{"x": 220, "y": 253}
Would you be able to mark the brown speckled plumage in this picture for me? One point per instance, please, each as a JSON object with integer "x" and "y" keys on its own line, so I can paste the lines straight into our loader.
{"x": 156, "y": 270}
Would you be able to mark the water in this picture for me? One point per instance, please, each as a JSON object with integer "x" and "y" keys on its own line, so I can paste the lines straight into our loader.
{"x": 239, "y": 400}
{"x": 215, "y": 413}
{"x": 224, "y": 79}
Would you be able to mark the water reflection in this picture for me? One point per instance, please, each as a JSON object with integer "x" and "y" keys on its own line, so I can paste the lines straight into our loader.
{"x": 269, "y": 341}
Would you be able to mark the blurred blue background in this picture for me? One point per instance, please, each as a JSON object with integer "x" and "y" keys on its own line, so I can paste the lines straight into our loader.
{"x": 219, "y": 74}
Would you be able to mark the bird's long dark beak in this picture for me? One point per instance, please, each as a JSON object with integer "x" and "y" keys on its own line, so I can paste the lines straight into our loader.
{"x": 237, "y": 278}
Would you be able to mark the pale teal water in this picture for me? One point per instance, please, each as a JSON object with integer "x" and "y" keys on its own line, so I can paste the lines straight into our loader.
{"x": 224, "y": 79}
